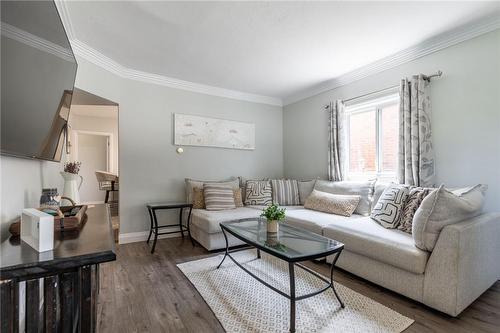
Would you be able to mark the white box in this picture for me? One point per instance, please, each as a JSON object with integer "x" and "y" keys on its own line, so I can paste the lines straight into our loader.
{"x": 37, "y": 229}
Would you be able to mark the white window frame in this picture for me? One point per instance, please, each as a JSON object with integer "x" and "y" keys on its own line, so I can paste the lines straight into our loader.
{"x": 374, "y": 104}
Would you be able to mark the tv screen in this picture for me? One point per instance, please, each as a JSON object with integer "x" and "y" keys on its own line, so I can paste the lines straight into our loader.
{"x": 38, "y": 71}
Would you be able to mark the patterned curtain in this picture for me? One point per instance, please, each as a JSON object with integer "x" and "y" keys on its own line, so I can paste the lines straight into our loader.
{"x": 336, "y": 141}
{"x": 416, "y": 154}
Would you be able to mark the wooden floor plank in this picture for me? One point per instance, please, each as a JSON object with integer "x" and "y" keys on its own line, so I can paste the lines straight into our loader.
{"x": 144, "y": 292}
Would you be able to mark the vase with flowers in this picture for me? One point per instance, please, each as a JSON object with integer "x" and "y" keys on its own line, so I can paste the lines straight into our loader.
{"x": 273, "y": 213}
{"x": 71, "y": 185}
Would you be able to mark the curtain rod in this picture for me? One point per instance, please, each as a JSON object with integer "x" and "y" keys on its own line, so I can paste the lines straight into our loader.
{"x": 426, "y": 77}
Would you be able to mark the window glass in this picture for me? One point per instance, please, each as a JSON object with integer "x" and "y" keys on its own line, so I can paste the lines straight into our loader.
{"x": 389, "y": 137}
{"x": 362, "y": 142}
{"x": 373, "y": 135}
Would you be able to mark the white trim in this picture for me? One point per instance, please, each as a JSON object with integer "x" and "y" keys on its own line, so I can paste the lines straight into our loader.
{"x": 37, "y": 42}
{"x": 92, "y": 55}
{"x": 427, "y": 47}
{"x": 64, "y": 15}
{"x": 142, "y": 236}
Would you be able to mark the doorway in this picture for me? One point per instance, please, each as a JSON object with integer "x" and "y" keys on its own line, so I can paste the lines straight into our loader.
{"x": 94, "y": 142}
{"x": 93, "y": 149}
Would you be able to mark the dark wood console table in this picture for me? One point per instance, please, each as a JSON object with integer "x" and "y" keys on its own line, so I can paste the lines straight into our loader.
{"x": 67, "y": 275}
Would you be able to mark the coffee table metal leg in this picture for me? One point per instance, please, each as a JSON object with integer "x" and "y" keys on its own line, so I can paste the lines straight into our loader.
{"x": 292, "y": 296}
{"x": 227, "y": 248}
{"x": 331, "y": 279}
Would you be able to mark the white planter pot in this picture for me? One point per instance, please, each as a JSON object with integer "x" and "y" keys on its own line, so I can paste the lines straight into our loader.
{"x": 72, "y": 184}
{"x": 272, "y": 226}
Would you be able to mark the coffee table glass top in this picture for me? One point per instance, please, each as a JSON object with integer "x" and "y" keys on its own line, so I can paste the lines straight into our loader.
{"x": 290, "y": 243}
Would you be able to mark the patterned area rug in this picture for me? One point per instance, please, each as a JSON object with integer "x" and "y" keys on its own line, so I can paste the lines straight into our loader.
{"x": 243, "y": 304}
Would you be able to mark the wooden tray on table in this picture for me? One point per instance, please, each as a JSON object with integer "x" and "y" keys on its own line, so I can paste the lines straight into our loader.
{"x": 71, "y": 218}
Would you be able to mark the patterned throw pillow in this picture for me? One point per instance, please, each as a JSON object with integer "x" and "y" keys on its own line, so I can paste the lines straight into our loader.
{"x": 389, "y": 207}
{"x": 238, "y": 201}
{"x": 338, "y": 204}
{"x": 258, "y": 192}
{"x": 218, "y": 197}
{"x": 198, "y": 198}
{"x": 351, "y": 187}
{"x": 285, "y": 192}
{"x": 415, "y": 197}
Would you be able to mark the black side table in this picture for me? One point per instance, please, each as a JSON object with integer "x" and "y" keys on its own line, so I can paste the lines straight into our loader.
{"x": 152, "y": 208}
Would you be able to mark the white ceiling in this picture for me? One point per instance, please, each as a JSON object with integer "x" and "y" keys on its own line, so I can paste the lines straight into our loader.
{"x": 276, "y": 49}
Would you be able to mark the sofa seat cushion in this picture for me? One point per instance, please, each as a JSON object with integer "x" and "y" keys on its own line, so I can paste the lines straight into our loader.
{"x": 314, "y": 221}
{"x": 366, "y": 237}
{"x": 208, "y": 221}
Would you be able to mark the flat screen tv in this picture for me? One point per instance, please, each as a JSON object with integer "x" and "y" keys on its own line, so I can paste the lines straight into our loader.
{"x": 38, "y": 71}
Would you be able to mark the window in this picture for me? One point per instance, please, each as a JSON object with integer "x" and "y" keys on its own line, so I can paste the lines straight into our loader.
{"x": 372, "y": 138}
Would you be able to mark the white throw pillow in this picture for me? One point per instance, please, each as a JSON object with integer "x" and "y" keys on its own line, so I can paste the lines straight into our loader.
{"x": 389, "y": 207}
{"x": 443, "y": 207}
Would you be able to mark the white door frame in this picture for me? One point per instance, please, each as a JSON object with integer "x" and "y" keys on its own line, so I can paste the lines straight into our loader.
{"x": 109, "y": 157}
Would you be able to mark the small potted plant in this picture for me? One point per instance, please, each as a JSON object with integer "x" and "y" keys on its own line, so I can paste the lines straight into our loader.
{"x": 273, "y": 214}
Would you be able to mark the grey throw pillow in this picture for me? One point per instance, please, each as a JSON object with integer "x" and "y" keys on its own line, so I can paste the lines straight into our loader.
{"x": 258, "y": 193}
{"x": 305, "y": 189}
{"x": 443, "y": 207}
{"x": 285, "y": 192}
{"x": 362, "y": 188}
{"x": 389, "y": 207}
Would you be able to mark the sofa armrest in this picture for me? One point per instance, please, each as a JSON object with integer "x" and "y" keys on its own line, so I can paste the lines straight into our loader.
{"x": 464, "y": 263}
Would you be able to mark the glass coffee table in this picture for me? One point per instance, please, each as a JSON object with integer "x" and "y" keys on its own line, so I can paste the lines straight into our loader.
{"x": 290, "y": 244}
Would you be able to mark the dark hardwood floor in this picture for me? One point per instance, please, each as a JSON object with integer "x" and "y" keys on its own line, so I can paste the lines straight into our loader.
{"x": 144, "y": 292}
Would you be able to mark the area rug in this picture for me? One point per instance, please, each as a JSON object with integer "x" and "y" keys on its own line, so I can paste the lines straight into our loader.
{"x": 243, "y": 304}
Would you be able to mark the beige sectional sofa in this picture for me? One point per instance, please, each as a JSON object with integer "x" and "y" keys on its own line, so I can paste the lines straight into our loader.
{"x": 464, "y": 263}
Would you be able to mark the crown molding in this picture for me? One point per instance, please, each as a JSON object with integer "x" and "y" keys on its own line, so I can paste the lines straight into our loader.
{"x": 64, "y": 15}
{"x": 34, "y": 41}
{"x": 92, "y": 55}
{"x": 427, "y": 47}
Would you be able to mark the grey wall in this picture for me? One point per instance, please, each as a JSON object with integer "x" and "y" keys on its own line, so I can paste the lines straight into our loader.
{"x": 466, "y": 116}
{"x": 150, "y": 169}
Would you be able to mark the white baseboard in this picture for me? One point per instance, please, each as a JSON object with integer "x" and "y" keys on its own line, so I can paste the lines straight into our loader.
{"x": 142, "y": 236}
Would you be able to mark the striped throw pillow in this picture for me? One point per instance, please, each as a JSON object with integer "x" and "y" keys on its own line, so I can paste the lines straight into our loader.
{"x": 285, "y": 192}
{"x": 218, "y": 197}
